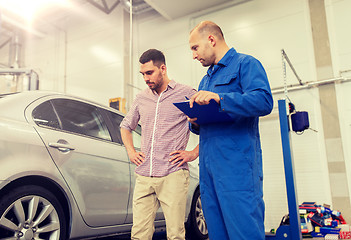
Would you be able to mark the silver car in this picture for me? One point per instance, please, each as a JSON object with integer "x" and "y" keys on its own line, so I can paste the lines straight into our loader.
{"x": 65, "y": 174}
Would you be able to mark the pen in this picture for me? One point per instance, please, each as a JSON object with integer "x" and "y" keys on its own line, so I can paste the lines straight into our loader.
{"x": 186, "y": 98}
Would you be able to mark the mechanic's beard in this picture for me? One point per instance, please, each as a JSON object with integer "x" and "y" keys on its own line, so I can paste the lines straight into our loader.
{"x": 205, "y": 64}
{"x": 208, "y": 58}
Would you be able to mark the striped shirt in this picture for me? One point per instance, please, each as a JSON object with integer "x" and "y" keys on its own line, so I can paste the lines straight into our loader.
{"x": 164, "y": 128}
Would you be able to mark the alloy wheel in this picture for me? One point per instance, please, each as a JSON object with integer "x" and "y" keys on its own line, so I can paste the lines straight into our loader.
{"x": 29, "y": 218}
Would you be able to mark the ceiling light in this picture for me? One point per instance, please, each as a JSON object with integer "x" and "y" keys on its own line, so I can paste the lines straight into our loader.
{"x": 30, "y": 9}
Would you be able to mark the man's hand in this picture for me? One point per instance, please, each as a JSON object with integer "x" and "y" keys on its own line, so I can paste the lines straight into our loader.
{"x": 137, "y": 158}
{"x": 203, "y": 98}
{"x": 192, "y": 121}
{"x": 182, "y": 157}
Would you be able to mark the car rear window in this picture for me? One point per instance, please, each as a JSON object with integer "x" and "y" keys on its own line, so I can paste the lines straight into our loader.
{"x": 44, "y": 115}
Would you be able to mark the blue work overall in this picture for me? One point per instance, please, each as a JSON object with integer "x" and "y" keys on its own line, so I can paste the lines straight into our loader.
{"x": 231, "y": 179}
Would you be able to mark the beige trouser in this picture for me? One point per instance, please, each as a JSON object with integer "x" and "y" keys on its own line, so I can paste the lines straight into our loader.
{"x": 150, "y": 192}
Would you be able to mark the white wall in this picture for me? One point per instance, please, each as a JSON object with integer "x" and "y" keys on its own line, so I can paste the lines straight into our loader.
{"x": 259, "y": 28}
{"x": 340, "y": 38}
{"x": 340, "y": 35}
{"x": 87, "y": 56}
{"x": 344, "y": 98}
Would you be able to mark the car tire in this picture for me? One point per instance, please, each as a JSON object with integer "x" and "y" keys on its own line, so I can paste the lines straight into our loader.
{"x": 196, "y": 228}
{"x": 31, "y": 212}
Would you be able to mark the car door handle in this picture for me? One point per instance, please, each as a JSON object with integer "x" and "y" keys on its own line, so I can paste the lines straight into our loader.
{"x": 62, "y": 147}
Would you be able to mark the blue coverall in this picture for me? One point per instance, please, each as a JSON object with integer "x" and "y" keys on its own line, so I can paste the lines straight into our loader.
{"x": 231, "y": 179}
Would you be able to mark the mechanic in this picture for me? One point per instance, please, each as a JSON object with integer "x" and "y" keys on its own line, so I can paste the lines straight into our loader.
{"x": 231, "y": 179}
{"x": 165, "y": 134}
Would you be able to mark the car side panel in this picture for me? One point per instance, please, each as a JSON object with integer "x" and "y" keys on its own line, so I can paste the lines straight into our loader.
{"x": 96, "y": 171}
{"x": 23, "y": 153}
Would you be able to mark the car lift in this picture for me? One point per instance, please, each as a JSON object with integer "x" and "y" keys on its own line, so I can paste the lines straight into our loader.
{"x": 293, "y": 230}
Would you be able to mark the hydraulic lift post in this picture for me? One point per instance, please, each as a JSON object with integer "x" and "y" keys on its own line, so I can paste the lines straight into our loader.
{"x": 293, "y": 230}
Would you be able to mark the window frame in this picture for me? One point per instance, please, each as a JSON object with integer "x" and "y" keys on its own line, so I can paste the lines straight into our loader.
{"x": 102, "y": 118}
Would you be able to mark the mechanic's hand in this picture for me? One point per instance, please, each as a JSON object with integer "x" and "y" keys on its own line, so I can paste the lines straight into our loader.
{"x": 203, "y": 98}
{"x": 192, "y": 121}
{"x": 182, "y": 157}
{"x": 137, "y": 158}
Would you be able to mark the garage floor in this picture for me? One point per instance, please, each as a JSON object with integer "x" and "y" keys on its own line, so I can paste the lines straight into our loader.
{"x": 157, "y": 236}
{"x": 162, "y": 236}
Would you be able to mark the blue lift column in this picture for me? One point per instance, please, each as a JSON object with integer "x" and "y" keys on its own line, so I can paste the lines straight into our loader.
{"x": 292, "y": 231}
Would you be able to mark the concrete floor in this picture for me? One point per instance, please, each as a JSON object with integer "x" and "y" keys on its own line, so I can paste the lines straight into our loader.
{"x": 162, "y": 236}
{"x": 157, "y": 236}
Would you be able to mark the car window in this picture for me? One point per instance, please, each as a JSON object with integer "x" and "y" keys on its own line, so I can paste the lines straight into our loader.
{"x": 44, "y": 115}
{"x": 116, "y": 121}
{"x": 82, "y": 118}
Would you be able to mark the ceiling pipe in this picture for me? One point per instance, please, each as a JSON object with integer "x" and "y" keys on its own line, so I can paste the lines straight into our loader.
{"x": 15, "y": 56}
{"x": 13, "y": 71}
{"x": 310, "y": 84}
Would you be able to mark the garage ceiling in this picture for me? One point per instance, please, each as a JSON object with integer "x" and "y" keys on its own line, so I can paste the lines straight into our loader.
{"x": 52, "y": 14}
{"x": 179, "y": 8}
{"x": 169, "y": 9}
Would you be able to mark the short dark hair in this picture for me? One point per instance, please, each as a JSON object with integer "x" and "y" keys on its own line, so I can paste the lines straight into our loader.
{"x": 154, "y": 55}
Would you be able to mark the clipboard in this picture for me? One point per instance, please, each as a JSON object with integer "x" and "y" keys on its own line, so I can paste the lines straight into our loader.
{"x": 204, "y": 113}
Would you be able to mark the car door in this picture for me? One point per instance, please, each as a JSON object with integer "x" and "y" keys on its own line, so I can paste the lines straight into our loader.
{"x": 95, "y": 168}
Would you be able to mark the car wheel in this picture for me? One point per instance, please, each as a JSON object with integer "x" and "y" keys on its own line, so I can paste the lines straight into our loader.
{"x": 196, "y": 224}
{"x": 31, "y": 212}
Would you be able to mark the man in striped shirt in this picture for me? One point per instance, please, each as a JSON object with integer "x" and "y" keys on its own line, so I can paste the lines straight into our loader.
{"x": 165, "y": 134}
